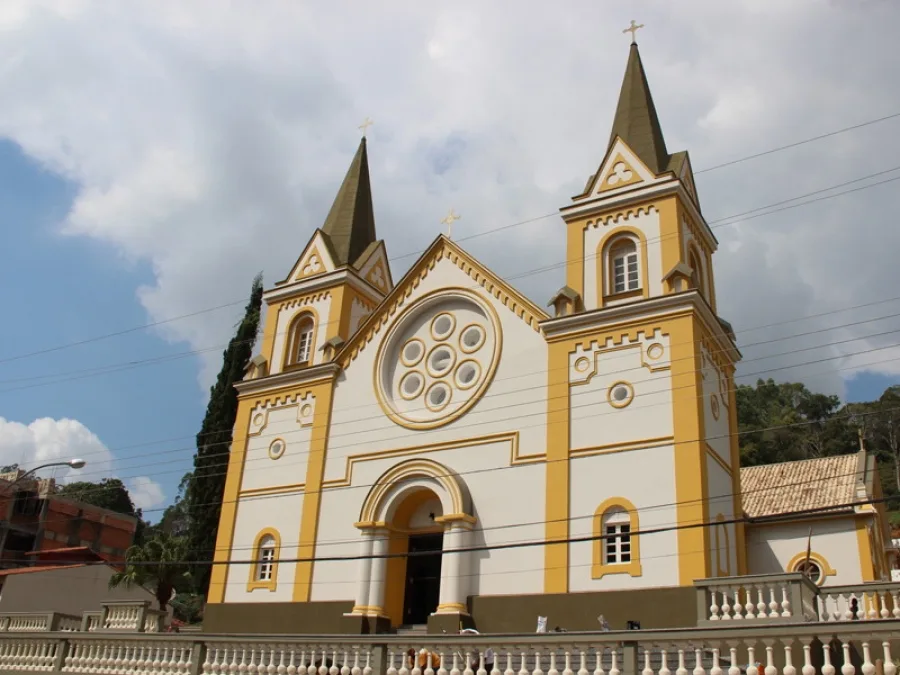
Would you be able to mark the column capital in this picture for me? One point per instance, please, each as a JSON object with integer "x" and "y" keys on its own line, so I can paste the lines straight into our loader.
{"x": 370, "y": 525}
{"x": 460, "y": 519}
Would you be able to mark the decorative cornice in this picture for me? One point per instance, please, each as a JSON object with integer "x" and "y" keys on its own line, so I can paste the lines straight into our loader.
{"x": 321, "y": 283}
{"x": 301, "y": 377}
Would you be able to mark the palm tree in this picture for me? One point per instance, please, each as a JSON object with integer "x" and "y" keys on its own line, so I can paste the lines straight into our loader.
{"x": 157, "y": 565}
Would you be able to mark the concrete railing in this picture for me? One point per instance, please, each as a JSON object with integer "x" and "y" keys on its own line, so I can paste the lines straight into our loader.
{"x": 865, "y": 602}
{"x": 852, "y": 647}
{"x": 761, "y": 598}
{"x": 44, "y": 621}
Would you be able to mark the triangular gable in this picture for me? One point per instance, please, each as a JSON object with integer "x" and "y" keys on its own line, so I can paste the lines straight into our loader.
{"x": 316, "y": 259}
{"x": 687, "y": 178}
{"x": 620, "y": 167}
{"x": 441, "y": 248}
{"x": 376, "y": 270}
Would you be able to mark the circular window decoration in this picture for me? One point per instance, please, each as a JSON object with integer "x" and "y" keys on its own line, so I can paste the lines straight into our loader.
{"x": 582, "y": 364}
{"x": 412, "y": 385}
{"x": 258, "y": 419}
{"x": 620, "y": 394}
{"x": 467, "y": 374}
{"x": 412, "y": 352}
{"x": 306, "y": 410}
{"x": 437, "y": 358}
{"x": 438, "y": 396}
{"x": 655, "y": 351}
{"x": 277, "y": 448}
{"x": 442, "y": 326}
{"x": 714, "y": 406}
{"x": 441, "y": 360}
{"x": 811, "y": 570}
{"x": 471, "y": 338}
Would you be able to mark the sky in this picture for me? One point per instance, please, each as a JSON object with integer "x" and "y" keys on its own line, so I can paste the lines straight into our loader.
{"x": 155, "y": 156}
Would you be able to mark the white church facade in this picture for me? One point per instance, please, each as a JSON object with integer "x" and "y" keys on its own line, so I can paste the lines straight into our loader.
{"x": 581, "y": 459}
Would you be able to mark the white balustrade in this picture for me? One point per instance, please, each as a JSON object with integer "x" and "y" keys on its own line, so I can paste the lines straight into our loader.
{"x": 865, "y": 602}
{"x": 123, "y": 617}
{"x": 27, "y": 623}
{"x": 224, "y": 658}
{"x": 23, "y": 654}
{"x": 128, "y": 657}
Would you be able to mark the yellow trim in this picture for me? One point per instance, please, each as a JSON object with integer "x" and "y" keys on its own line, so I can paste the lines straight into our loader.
{"x": 398, "y": 546}
{"x": 694, "y": 252}
{"x": 599, "y": 568}
{"x": 691, "y": 487}
{"x": 228, "y": 514}
{"x": 254, "y": 582}
{"x": 309, "y": 519}
{"x": 718, "y": 459}
{"x": 620, "y": 404}
{"x": 635, "y": 175}
{"x": 740, "y": 531}
{"x": 413, "y": 468}
{"x": 556, "y": 555}
{"x": 604, "y": 268}
{"x": 610, "y": 448}
{"x": 406, "y": 362}
{"x": 448, "y": 333}
{"x": 297, "y": 268}
{"x": 290, "y": 353}
{"x": 818, "y": 558}
{"x": 466, "y": 349}
{"x": 464, "y": 518}
{"x": 385, "y": 349}
{"x": 670, "y": 232}
{"x": 864, "y": 545}
{"x": 338, "y": 313}
{"x": 270, "y": 331}
{"x": 452, "y": 608}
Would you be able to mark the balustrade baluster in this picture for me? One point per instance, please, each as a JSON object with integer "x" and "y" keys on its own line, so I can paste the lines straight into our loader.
{"x": 698, "y": 662}
{"x": 481, "y": 668}
{"x": 749, "y": 607}
{"x": 760, "y": 603}
{"x": 713, "y": 605}
{"x": 664, "y": 662}
{"x": 890, "y": 668}
{"x": 868, "y": 668}
{"x": 496, "y": 669}
{"x": 785, "y": 602}
{"x": 682, "y": 670}
{"x": 789, "y": 668}
{"x": 598, "y": 666}
{"x": 647, "y": 669}
{"x": 734, "y": 668}
{"x": 726, "y": 606}
{"x": 537, "y": 663}
{"x": 770, "y": 658}
{"x": 582, "y": 665}
{"x": 614, "y": 665}
{"x": 737, "y": 607}
{"x": 716, "y": 668}
{"x": 848, "y": 668}
{"x": 509, "y": 663}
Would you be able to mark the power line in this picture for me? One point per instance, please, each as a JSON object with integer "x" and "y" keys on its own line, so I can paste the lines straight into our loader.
{"x": 407, "y": 255}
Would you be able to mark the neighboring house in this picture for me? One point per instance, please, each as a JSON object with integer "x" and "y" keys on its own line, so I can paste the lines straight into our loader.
{"x": 847, "y": 542}
{"x": 69, "y": 581}
{"x": 35, "y": 518}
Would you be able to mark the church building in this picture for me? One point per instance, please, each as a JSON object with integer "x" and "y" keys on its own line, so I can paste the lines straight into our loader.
{"x": 440, "y": 450}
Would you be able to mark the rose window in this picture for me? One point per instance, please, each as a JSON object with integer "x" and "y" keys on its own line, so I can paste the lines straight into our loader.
{"x": 438, "y": 359}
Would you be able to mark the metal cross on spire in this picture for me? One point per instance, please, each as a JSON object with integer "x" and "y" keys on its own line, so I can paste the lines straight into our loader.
{"x": 366, "y": 124}
{"x": 633, "y": 28}
{"x": 448, "y": 221}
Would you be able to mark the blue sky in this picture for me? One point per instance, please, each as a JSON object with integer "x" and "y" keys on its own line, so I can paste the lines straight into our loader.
{"x": 61, "y": 289}
{"x": 155, "y": 156}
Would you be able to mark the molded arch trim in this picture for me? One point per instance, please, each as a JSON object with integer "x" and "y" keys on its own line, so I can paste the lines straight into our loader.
{"x": 254, "y": 581}
{"x": 599, "y": 566}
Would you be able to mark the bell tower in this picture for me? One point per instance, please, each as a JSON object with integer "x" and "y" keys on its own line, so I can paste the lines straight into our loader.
{"x": 646, "y": 365}
{"x": 342, "y": 274}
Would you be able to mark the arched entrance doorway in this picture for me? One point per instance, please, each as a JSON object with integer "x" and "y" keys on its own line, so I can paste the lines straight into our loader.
{"x": 413, "y": 520}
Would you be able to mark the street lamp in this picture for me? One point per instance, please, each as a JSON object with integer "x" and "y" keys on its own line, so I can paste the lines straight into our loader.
{"x": 72, "y": 464}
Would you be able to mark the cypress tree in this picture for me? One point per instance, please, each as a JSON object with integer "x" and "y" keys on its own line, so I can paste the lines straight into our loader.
{"x": 207, "y": 482}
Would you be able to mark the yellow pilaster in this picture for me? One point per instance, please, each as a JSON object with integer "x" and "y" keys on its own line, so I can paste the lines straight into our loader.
{"x": 670, "y": 233}
{"x": 312, "y": 498}
{"x": 269, "y": 331}
{"x": 575, "y": 257}
{"x": 228, "y": 513}
{"x": 740, "y": 533}
{"x": 691, "y": 490}
{"x": 556, "y": 556}
{"x": 864, "y": 544}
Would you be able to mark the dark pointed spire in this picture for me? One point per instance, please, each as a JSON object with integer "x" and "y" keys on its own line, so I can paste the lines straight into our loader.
{"x": 350, "y": 225}
{"x": 636, "y": 122}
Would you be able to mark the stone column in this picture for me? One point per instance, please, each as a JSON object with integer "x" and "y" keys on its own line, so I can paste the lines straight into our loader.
{"x": 378, "y": 572}
{"x": 363, "y": 580}
{"x": 454, "y": 583}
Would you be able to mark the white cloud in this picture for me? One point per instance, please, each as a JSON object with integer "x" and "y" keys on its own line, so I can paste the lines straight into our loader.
{"x": 210, "y": 138}
{"x": 47, "y": 440}
{"x": 145, "y": 493}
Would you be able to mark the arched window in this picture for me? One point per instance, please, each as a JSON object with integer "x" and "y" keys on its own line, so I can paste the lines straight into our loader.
{"x": 624, "y": 272}
{"x": 811, "y": 570}
{"x": 616, "y": 545}
{"x": 264, "y": 571}
{"x": 301, "y": 340}
{"x": 816, "y": 569}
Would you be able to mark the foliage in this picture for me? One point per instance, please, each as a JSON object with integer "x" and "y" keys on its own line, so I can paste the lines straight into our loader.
{"x": 109, "y": 493}
{"x": 175, "y": 520}
{"x": 188, "y": 607}
{"x": 9, "y": 468}
{"x": 159, "y": 565}
{"x": 207, "y": 484}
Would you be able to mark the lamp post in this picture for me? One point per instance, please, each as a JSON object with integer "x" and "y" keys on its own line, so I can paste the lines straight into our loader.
{"x": 72, "y": 464}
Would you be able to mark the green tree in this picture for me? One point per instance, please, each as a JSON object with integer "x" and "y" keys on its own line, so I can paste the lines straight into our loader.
{"x": 206, "y": 485}
{"x": 9, "y": 468}
{"x": 159, "y": 565}
{"x": 109, "y": 493}
{"x": 785, "y": 422}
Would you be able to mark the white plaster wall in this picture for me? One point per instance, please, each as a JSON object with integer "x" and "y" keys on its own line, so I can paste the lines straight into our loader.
{"x": 717, "y": 431}
{"x": 648, "y": 223}
{"x": 292, "y": 423}
{"x": 508, "y": 503}
{"x": 651, "y": 488}
{"x": 254, "y": 514}
{"x": 514, "y": 401}
{"x": 285, "y": 316}
{"x": 720, "y": 493}
{"x": 771, "y": 547}
{"x": 596, "y": 422}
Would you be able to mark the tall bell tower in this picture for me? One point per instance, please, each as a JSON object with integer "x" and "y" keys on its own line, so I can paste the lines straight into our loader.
{"x": 647, "y": 366}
